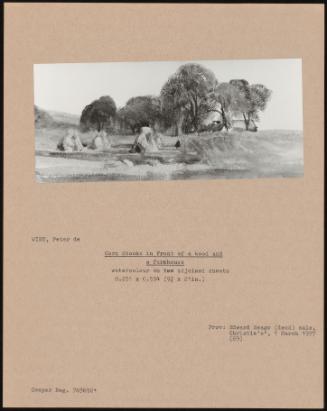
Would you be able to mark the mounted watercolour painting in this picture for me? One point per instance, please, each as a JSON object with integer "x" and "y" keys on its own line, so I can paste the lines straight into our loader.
{"x": 168, "y": 120}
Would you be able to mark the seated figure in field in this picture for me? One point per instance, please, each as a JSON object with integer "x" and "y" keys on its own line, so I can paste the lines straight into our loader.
{"x": 70, "y": 142}
{"x": 178, "y": 144}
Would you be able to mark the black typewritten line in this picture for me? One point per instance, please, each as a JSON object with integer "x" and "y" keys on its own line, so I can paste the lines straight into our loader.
{"x": 152, "y": 256}
{"x": 164, "y": 265}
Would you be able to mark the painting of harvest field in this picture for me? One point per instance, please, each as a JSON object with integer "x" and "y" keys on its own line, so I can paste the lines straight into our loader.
{"x": 168, "y": 120}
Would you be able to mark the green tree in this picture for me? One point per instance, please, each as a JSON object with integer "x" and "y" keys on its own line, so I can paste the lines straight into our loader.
{"x": 140, "y": 111}
{"x": 185, "y": 96}
{"x": 225, "y": 100}
{"x": 251, "y": 100}
{"x": 99, "y": 114}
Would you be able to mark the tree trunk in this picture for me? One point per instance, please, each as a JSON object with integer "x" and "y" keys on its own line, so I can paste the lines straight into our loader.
{"x": 178, "y": 125}
{"x": 196, "y": 116}
{"x": 178, "y": 130}
{"x": 195, "y": 124}
{"x": 246, "y": 121}
{"x": 223, "y": 116}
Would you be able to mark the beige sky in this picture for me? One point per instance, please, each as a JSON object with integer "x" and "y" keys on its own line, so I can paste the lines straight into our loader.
{"x": 70, "y": 87}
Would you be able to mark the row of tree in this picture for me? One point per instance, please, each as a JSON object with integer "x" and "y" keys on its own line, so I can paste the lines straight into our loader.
{"x": 185, "y": 101}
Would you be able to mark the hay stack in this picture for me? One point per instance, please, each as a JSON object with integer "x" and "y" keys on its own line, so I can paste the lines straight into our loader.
{"x": 100, "y": 141}
{"x": 70, "y": 142}
{"x": 146, "y": 142}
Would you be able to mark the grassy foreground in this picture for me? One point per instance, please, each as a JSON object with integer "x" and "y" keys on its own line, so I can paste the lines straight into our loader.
{"x": 266, "y": 153}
